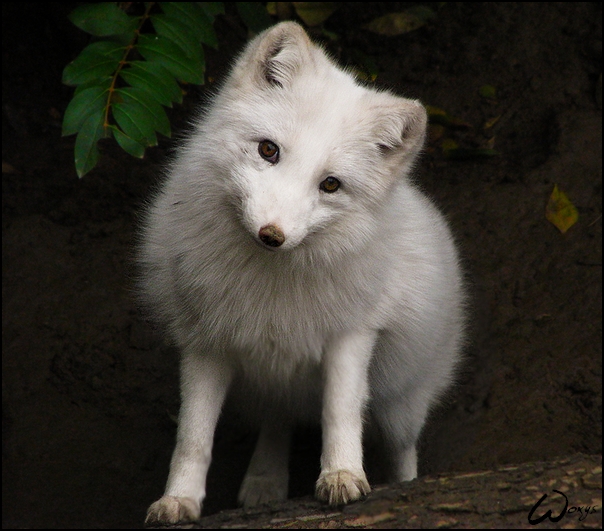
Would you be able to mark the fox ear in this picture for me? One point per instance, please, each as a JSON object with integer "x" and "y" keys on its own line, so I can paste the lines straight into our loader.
{"x": 277, "y": 54}
{"x": 400, "y": 127}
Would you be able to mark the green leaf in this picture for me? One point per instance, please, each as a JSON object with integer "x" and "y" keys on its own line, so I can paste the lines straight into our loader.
{"x": 86, "y": 150}
{"x": 155, "y": 80}
{"x": 197, "y": 16}
{"x": 129, "y": 120}
{"x": 179, "y": 33}
{"x": 212, "y": 8}
{"x": 254, "y": 16}
{"x": 404, "y": 22}
{"x": 103, "y": 82}
{"x": 158, "y": 49}
{"x": 314, "y": 13}
{"x": 102, "y": 19}
{"x": 97, "y": 60}
{"x": 128, "y": 144}
{"x": 147, "y": 108}
{"x": 488, "y": 91}
{"x": 442, "y": 117}
{"x": 189, "y": 13}
{"x": 560, "y": 211}
{"x": 139, "y": 117}
{"x": 81, "y": 107}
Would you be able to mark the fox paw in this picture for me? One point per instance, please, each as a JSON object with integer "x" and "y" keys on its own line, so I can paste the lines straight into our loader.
{"x": 257, "y": 490}
{"x": 170, "y": 510}
{"x": 341, "y": 487}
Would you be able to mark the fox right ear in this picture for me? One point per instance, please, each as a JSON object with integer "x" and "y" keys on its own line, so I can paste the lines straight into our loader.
{"x": 278, "y": 54}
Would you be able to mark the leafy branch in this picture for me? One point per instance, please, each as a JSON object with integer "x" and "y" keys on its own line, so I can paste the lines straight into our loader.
{"x": 131, "y": 72}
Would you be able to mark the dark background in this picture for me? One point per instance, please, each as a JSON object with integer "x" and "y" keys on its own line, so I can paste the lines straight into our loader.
{"x": 89, "y": 391}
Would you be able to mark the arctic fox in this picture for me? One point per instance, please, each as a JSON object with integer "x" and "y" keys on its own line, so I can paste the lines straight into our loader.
{"x": 294, "y": 263}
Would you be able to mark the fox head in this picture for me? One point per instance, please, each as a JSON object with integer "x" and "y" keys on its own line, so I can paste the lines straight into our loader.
{"x": 305, "y": 151}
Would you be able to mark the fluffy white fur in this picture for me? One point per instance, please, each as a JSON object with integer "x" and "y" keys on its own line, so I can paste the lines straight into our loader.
{"x": 359, "y": 308}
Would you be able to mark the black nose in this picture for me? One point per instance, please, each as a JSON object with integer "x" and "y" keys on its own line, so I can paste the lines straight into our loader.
{"x": 271, "y": 235}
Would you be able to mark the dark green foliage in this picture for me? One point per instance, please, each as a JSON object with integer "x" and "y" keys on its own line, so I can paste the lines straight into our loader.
{"x": 132, "y": 71}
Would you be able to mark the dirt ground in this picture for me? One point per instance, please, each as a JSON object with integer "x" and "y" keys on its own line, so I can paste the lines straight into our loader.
{"x": 89, "y": 390}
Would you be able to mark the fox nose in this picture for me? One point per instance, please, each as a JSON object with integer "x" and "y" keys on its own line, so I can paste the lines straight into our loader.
{"x": 271, "y": 235}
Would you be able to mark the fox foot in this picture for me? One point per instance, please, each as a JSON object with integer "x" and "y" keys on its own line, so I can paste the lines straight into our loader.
{"x": 170, "y": 510}
{"x": 256, "y": 490}
{"x": 341, "y": 487}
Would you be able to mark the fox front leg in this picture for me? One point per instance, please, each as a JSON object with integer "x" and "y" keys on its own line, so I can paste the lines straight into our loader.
{"x": 204, "y": 383}
{"x": 345, "y": 394}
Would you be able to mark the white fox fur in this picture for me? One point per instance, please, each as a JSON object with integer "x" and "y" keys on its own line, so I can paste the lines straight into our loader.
{"x": 294, "y": 262}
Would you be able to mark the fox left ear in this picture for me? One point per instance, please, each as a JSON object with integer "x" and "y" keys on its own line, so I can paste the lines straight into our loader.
{"x": 401, "y": 127}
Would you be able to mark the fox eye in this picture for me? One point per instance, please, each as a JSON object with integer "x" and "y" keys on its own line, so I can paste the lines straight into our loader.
{"x": 269, "y": 151}
{"x": 330, "y": 185}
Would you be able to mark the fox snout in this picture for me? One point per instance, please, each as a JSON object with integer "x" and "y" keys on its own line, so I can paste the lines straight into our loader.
{"x": 271, "y": 235}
